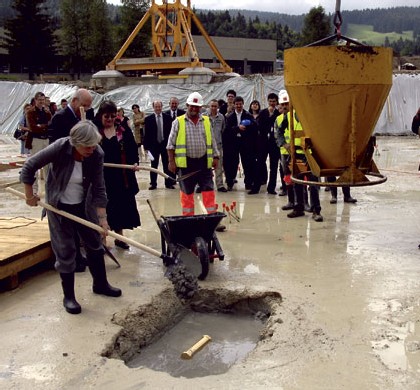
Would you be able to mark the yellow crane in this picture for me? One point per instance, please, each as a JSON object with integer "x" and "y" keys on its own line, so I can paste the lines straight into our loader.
{"x": 173, "y": 45}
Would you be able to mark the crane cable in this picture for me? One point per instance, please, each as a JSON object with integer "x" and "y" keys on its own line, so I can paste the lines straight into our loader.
{"x": 338, "y": 20}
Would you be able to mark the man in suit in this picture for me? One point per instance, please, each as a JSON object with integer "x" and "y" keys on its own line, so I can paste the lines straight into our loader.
{"x": 157, "y": 127}
{"x": 240, "y": 139}
{"x": 65, "y": 119}
{"x": 174, "y": 111}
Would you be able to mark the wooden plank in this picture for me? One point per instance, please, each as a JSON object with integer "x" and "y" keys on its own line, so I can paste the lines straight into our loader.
{"x": 24, "y": 242}
{"x": 20, "y": 236}
{"x": 26, "y": 262}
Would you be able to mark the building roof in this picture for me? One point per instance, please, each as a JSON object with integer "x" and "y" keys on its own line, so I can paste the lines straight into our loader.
{"x": 238, "y": 48}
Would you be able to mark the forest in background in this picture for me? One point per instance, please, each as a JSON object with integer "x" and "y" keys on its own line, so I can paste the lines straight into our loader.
{"x": 383, "y": 20}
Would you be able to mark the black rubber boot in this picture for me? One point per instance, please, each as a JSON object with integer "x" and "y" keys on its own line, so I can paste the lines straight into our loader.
{"x": 97, "y": 269}
{"x": 69, "y": 301}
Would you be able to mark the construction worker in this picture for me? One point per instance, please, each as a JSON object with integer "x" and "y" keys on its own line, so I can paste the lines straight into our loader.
{"x": 284, "y": 153}
{"x": 295, "y": 191}
{"x": 192, "y": 148}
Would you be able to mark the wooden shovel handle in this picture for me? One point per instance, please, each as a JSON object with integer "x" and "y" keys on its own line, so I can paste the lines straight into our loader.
{"x": 89, "y": 224}
{"x": 112, "y": 165}
{"x": 180, "y": 178}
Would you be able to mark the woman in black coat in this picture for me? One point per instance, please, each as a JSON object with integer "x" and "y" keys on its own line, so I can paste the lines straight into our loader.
{"x": 120, "y": 147}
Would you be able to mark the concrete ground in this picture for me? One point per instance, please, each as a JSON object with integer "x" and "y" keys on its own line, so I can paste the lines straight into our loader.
{"x": 349, "y": 319}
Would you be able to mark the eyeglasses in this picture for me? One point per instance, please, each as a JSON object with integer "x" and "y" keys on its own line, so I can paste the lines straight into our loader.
{"x": 112, "y": 116}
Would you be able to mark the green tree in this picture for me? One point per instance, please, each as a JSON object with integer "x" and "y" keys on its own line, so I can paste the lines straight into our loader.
{"x": 29, "y": 39}
{"x": 100, "y": 38}
{"x": 86, "y": 40}
{"x": 132, "y": 11}
{"x": 316, "y": 26}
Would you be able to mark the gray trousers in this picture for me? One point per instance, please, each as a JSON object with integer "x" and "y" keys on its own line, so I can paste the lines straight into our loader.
{"x": 63, "y": 233}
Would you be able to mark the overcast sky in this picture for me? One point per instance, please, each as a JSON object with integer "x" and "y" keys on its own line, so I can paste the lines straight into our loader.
{"x": 292, "y": 7}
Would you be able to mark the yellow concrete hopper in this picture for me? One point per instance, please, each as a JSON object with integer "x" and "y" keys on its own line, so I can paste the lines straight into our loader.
{"x": 338, "y": 93}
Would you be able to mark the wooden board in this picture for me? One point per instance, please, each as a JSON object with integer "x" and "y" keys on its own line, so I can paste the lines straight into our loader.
{"x": 13, "y": 164}
{"x": 24, "y": 242}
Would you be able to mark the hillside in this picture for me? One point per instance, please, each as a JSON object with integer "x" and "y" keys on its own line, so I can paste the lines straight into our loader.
{"x": 365, "y": 33}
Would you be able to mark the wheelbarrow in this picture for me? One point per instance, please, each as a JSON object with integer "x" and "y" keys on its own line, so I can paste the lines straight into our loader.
{"x": 193, "y": 238}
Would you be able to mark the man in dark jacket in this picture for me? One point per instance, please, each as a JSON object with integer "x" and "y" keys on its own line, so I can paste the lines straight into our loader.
{"x": 239, "y": 139}
{"x": 65, "y": 119}
{"x": 174, "y": 111}
{"x": 157, "y": 127}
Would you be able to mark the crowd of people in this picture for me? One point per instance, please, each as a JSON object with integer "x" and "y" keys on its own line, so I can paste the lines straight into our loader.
{"x": 213, "y": 140}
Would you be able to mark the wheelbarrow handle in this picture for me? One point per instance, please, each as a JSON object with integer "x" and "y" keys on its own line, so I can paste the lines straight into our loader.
{"x": 89, "y": 224}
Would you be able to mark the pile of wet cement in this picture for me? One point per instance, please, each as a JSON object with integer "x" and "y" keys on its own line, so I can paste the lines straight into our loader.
{"x": 185, "y": 283}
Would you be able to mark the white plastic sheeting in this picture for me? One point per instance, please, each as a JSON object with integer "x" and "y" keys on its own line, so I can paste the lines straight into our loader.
{"x": 401, "y": 106}
{"x": 395, "y": 119}
{"x": 15, "y": 95}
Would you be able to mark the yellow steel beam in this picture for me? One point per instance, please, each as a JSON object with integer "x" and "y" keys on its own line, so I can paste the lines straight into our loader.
{"x": 188, "y": 37}
{"x": 156, "y": 65}
{"x": 179, "y": 31}
{"x": 127, "y": 43}
{"x": 211, "y": 43}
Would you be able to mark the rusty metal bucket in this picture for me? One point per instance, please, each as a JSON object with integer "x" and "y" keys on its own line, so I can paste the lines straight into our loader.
{"x": 338, "y": 93}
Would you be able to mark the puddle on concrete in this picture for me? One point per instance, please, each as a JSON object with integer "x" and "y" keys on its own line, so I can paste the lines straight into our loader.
{"x": 397, "y": 345}
{"x": 156, "y": 334}
{"x": 233, "y": 336}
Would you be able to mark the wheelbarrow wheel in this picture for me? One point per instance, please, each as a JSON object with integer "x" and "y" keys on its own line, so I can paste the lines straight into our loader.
{"x": 202, "y": 252}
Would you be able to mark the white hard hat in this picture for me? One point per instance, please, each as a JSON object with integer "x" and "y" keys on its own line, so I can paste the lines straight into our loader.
{"x": 283, "y": 96}
{"x": 195, "y": 99}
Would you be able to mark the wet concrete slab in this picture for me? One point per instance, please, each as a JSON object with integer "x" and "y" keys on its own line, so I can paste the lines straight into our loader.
{"x": 350, "y": 313}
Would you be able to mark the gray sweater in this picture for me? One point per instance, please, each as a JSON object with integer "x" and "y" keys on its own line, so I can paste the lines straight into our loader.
{"x": 60, "y": 157}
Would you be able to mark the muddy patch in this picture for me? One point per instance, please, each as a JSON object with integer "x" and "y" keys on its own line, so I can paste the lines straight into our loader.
{"x": 396, "y": 340}
{"x": 158, "y": 326}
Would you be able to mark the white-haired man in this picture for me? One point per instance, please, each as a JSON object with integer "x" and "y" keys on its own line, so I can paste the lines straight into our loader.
{"x": 65, "y": 119}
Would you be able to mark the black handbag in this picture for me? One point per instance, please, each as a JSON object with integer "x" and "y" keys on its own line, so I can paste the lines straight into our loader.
{"x": 17, "y": 134}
